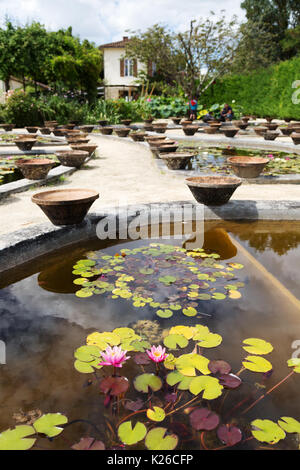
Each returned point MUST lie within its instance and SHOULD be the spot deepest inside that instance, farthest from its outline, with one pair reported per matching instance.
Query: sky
(104, 21)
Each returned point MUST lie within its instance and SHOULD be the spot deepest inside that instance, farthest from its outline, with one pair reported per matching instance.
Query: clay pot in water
(186, 122)
(123, 132)
(65, 206)
(271, 126)
(269, 119)
(159, 142)
(148, 120)
(159, 124)
(45, 130)
(106, 130)
(103, 122)
(126, 122)
(25, 144)
(286, 130)
(296, 138)
(89, 148)
(230, 131)
(176, 120)
(153, 138)
(245, 119)
(270, 135)
(211, 129)
(190, 130)
(32, 129)
(35, 168)
(159, 130)
(148, 127)
(241, 125)
(167, 148)
(72, 158)
(214, 124)
(69, 126)
(177, 161)
(138, 136)
(259, 130)
(213, 190)
(7, 127)
(60, 132)
(87, 128)
(77, 140)
(247, 167)
(50, 124)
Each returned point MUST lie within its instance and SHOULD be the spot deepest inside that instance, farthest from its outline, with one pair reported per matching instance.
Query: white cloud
(107, 20)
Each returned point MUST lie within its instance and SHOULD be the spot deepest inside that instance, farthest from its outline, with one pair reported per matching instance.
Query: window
(128, 68)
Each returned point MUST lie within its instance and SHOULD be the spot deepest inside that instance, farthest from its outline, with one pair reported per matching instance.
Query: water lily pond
(154, 345)
(213, 160)
(8, 170)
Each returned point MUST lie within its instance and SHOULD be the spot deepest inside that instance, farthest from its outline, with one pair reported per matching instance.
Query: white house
(120, 73)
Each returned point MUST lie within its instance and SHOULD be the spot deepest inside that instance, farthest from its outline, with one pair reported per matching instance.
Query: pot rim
(41, 198)
(227, 181)
(248, 161)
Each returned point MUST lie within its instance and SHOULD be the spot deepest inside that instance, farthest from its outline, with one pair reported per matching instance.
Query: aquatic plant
(186, 400)
(166, 278)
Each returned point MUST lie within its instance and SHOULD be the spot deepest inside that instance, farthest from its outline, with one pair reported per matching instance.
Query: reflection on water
(43, 322)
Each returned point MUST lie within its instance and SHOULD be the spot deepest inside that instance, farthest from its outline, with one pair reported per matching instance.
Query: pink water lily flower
(157, 354)
(113, 357)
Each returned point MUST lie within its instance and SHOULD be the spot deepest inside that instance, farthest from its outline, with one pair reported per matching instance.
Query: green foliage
(265, 92)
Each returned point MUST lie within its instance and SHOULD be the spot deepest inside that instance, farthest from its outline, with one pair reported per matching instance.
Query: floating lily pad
(176, 377)
(131, 435)
(158, 439)
(219, 367)
(145, 382)
(265, 430)
(204, 419)
(210, 386)
(289, 425)
(114, 385)
(295, 363)
(157, 414)
(17, 438)
(257, 364)
(257, 346)
(229, 435)
(174, 341)
(50, 423)
(230, 380)
(187, 364)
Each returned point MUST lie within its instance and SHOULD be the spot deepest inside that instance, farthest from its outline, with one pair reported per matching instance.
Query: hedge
(266, 92)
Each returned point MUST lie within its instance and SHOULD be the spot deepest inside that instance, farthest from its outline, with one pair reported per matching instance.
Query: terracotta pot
(177, 161)
(126, 122)
(159, 143)
(286, 130)
(269, 119)
(214, 124)
(122, 132)
(186, 122)
(65, 206)
(211, 129)
(7, 127)
(247, 167)
(241, 124)
(74, 158)
(87, 128)
(190, 130)
(77, 140)
(148, 121)
(45, 130)
(259, 130)
(230, 131)
(69, 126)
(159, 130)
(270, 135)
(296, 138)
(138, 136)
(167, 148)
(32, 129)
(159, 124)
(288, 119)
(271, 126)
(106, 130)
(89, 148)
(153, 138)
(60, 132)
(213, 190)
(245, 119)
(25, 144)
(103, 122)
(148, 127)
(35, 168)
(176, 120)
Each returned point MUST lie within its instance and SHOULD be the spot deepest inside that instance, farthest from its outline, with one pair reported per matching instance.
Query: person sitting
(193, 109)
(226, 113)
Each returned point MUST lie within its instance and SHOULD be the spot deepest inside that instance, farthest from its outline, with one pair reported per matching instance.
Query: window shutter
(122, 67)
(135, 70)
(150, 71)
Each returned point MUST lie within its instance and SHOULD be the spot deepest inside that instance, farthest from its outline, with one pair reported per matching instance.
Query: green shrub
(266, 92)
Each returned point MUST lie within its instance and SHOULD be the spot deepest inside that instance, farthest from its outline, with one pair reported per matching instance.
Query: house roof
(117, 44)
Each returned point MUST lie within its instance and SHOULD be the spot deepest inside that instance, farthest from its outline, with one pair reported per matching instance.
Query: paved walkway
(124, 173)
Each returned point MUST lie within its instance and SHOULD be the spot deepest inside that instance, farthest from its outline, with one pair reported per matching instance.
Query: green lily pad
(187, 364)
(265, 430)
(157, 439)
(49, 424)
(257, 346)
(176, 377)
(129, 435)
(174, 341)
(87, 353)
(257, 364)
(189, 312)
(16, 439)
(164, 313)
(289, 425)
(157, 414)
(294, 362)
(210, 386)
(146, 382)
